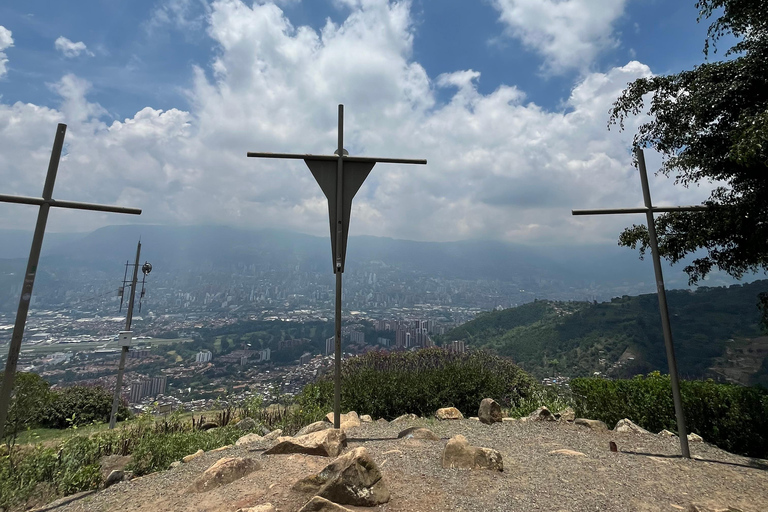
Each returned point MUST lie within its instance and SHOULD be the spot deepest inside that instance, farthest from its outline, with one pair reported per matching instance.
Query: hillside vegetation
(623, 337)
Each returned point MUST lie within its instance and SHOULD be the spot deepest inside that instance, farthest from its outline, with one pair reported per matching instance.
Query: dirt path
(645, 475)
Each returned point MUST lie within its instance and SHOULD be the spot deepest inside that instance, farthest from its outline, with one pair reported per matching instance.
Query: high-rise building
(147, 387)
(357, 337)
(203, 356)
(330, 346)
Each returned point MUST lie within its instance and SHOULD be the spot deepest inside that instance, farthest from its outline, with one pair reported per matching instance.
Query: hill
(716, 333)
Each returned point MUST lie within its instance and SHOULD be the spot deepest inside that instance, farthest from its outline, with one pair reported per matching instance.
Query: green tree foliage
(711, 123)
(80, 405)
(29, 397)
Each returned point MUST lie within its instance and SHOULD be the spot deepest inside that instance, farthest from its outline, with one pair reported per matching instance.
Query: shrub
(735, 418)
(387, 385)
(29, 397)
(80, 405)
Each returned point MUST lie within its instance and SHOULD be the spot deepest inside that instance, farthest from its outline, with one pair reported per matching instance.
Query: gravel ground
(645, 475)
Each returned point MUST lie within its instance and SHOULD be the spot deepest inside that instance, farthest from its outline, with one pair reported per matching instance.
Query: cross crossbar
(334, 158)
(655, 209)
(39, 201)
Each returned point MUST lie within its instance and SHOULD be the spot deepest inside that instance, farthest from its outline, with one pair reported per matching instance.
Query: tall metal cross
(649, 210)
(340, 176)
(45, 203)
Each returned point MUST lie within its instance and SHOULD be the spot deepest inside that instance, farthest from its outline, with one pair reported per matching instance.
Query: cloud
(500, 167)
(70, 49)
(567, 33)
(6, 41)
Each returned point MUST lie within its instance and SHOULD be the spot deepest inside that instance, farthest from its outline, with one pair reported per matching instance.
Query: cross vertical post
(45, 204)
(649, 210)
(340, 176)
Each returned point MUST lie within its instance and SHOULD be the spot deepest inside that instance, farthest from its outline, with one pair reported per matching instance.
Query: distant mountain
(623, 337)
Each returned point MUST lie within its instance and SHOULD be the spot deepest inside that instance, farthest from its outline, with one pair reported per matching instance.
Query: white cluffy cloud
(6, 41)
(499, 167)
(71, 49)
(568, 33)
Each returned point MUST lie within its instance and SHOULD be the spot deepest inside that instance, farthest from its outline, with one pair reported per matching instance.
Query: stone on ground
(695, 438)
(221, 448)
(223, 472)
(458, 453)
(248, 438)
(327, 443)
(542, 414)
(569, 453)
(405, 417)
(246, 424)
(349, 420)
(667, 433)
(382, 421)
(418, 433)
(265, 507)
(352, 479)
(320, 504)
(694, 507)
(273, 435)
(366, 418)
(489, 412)
(626, 425)
(566, 414)
(115, 476)
(314, 427)
(449, 413)
(192, 456)
(593, 424)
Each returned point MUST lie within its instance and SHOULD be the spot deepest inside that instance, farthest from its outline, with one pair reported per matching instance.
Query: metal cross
(649, 210)
(340, 176)
(45, 203)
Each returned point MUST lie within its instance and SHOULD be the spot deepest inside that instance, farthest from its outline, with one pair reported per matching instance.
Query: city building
(147, 387)
(330, 346)
(204, 356)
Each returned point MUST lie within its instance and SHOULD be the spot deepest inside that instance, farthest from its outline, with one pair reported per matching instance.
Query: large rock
(246, 424)
(489, 412)
(192, 456)
(115, 476)
(627, 426)
(320, 504)
(248, 438)
(314, 427)
(327, 443)
(418, 433)
(566, 414)
(346, 421)
(449, 413)
(223, 472)
(458, 453)
(273, 435)
(542, 414)
(695, 438)
(593, 424)
(352, 479)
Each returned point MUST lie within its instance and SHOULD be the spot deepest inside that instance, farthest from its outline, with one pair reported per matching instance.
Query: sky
(508, 100)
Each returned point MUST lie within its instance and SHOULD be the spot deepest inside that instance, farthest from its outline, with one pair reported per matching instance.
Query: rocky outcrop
(542, 414)
(192, 456)
(248, 438)
(593, 424)
(327, 443)
(320, 504)
(418, 433)
(458, 453)
(223, 472)
(627, 426)
(489, 412)
(449, 413)
(314, 427)
(352, 479)
(273, 435)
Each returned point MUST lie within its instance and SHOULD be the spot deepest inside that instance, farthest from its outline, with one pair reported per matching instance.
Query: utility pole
(45, 203)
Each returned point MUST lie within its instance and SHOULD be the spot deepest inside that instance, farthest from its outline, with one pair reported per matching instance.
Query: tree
(711, 124)
(30, 395)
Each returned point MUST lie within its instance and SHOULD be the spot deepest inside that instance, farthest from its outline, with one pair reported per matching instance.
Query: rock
(626, 425)
(405, 417)
(192, 456)
(116, 475)
(667, 433)
(327, 443)
(693, 507)
(266, 507)
(542, 414)
(208, 425)
(264, 430)
(593, 424)
(569, 453)
(489, 412)
(382, 421)
(319, 504)
(695, 438)
(418, 433)
(366, 418)
(509, 420)
(566, 414)
(352, 479)
(314, 427)
(175, 464)
(475, 418)
(449, 413)
(246, 424)
(458, 453)
(349, 420)
(221, 448)
(223, 472)
(248, 438)
(273, 435)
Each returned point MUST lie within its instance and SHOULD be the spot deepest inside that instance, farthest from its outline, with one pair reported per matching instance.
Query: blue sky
(508, 99)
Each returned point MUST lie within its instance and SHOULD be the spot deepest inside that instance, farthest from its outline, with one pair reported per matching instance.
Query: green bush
(29, 398)
(80, 405)
(735, 418)
(387, 385)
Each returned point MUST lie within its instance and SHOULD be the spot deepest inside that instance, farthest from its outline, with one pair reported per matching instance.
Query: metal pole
(671, 361)
(339, 245)
(124, 351)
(29, 278)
